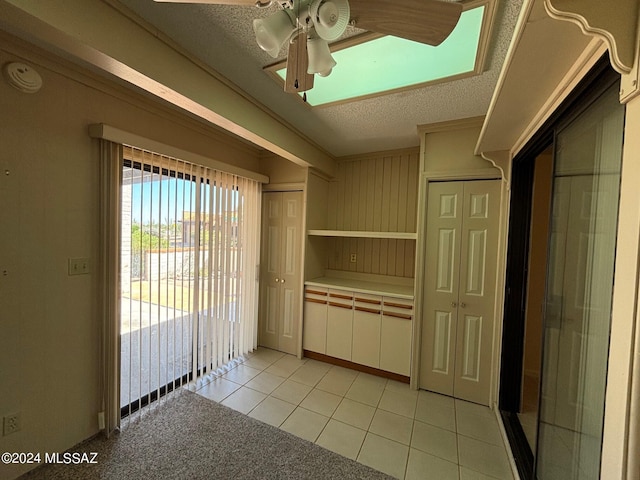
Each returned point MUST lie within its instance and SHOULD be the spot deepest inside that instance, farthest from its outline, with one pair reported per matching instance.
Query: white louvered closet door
(459, 296)
(281, 271)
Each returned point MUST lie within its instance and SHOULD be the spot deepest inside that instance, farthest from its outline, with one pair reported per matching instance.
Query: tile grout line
(302, 400)
(413, 424)
(367, 431)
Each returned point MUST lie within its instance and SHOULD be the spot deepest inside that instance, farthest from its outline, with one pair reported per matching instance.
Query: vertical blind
(188, 274)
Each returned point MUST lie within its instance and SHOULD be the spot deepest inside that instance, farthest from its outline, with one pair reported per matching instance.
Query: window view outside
(181, 274)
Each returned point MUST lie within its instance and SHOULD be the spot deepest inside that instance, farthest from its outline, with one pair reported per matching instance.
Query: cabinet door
(290, 278)
(314, 336)
(270, 261)
(366, 329)
(395, 342)
(477, 290)
(459, 295)
(444, 223)
(281, 279)
(339, 325)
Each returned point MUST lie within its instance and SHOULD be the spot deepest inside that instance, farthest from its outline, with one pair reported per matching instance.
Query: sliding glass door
(582, 239)
(559, 283)
(189, 256)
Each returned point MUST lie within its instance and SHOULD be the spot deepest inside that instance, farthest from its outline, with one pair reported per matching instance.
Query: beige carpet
(190, 437)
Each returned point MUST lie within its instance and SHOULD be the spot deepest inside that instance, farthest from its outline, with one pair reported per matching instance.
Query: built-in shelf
(362, 234)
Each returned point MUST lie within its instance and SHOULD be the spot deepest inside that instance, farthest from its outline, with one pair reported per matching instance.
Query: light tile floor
(381, 423)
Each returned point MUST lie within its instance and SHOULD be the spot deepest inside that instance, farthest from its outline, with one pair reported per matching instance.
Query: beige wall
(49, 326)
(281, 170)
(448, 151)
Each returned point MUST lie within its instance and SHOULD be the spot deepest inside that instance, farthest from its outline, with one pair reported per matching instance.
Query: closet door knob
(462, 305)
(282, 280)
(454, 304)
(277, 280)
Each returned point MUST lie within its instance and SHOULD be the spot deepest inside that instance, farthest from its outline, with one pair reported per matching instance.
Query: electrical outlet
(353, 258)
(79, 266)
(11, 424)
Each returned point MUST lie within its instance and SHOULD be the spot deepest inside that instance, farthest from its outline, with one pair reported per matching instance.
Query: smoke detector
(22, 77)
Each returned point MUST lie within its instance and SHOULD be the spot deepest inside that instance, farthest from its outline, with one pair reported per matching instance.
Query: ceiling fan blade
(298, 80)
(424, 21)
(212, 2)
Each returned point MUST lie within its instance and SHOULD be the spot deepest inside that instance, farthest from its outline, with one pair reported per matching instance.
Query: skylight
(390, 63)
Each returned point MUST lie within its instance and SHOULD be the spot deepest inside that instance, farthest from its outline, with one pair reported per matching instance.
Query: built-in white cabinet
(361, 249)
(359, 327)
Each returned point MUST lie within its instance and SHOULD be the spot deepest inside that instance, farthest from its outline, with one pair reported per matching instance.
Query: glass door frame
(595, 83)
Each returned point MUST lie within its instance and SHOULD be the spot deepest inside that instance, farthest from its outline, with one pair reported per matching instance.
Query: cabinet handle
(321, 302)
(397, 315)
(282, 280)
(463, 305)
(340, 305)
(368, 310)
(367, 300)
(317, 292)
(454, 304)
(337, 295)
(399, 305)
(277, 280)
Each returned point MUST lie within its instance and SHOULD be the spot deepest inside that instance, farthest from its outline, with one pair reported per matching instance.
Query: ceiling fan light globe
(330, 17)
(320, 59)
(271, 32)
(326, 73)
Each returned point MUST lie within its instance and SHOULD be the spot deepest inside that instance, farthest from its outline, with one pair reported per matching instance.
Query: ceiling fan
(308, 26)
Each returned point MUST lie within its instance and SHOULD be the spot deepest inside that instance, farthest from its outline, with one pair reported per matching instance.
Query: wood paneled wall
(378, 193)
(380, 256)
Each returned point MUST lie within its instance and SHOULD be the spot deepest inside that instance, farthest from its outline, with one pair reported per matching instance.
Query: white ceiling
(222, 37)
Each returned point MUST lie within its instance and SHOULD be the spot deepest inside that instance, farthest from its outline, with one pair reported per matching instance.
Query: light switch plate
(79, 266)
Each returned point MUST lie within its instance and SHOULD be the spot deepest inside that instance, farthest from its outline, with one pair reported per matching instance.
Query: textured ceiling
(222, 37)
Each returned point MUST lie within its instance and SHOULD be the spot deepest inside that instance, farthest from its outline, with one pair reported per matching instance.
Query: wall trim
(284, 187)
(355, 366)
(596, 18)
(490, 173)
(34, 55)
(502, 161)
(383, 153)
(107, 132)
(449, 125)
(594, 51)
